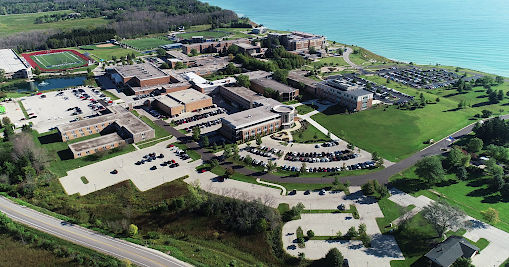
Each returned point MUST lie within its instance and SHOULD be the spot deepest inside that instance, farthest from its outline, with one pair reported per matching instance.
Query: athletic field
(54, 60)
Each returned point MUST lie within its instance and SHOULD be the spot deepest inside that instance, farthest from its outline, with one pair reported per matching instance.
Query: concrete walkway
(283, 189)
(318, 126)
(493, 255)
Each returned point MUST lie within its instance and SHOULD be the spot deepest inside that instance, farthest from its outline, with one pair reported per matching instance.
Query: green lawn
(308, 136)
(505, 264)
(330, 61)
(147, 43)
(304, 109)
(394, 133)
(391, 212)
(11, 24)
(58, 153)
(160, 132)
(205, 34)
(472, 196)
(414, 240)
(105, 53)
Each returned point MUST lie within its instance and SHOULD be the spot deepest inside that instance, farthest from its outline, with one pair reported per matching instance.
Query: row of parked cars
(321, 156)
(263, 151)
(357, 166)
(203, 125)
(198, 117)
(180, 153)
(256, 162)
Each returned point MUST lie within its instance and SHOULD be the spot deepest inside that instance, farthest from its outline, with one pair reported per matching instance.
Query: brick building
(182, 101)
(284, 92)
(212, 47)
(353, 96)
(299, 40)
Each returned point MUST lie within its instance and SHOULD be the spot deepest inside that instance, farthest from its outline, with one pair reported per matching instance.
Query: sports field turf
(147, 43)
(59, 60)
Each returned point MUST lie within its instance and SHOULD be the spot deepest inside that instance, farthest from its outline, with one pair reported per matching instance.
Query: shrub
(310, 233)
(132, 230)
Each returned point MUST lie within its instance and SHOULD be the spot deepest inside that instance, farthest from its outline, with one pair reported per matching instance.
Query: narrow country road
(118, 248)
(346, 57)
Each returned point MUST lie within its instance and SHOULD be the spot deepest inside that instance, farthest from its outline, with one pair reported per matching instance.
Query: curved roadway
(138, 255)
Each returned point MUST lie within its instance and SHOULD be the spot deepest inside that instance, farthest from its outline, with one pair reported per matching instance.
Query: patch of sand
(105, 45)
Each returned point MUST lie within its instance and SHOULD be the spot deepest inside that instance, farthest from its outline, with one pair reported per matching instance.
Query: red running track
(28, 57)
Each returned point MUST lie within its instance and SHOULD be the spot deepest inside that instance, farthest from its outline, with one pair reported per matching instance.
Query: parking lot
(154, 171)
(14, 113)
(328, 157)
(48, 110)
(420, 78)
(208, 120)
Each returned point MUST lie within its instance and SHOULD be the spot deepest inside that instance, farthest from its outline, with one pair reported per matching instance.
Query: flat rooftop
(144, 71)
(359, 92)
(179, 55)
(299, 77)
(257, 74)
(188, 96)
(250, 117)
(169, 102)
(125, 119)
(10, 62)
(247, 46)
(95, 142)
(86, 122)
(132, 123)
(243, 92)
(269, 83)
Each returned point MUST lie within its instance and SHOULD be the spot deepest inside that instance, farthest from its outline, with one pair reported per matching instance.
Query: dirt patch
(105, 45)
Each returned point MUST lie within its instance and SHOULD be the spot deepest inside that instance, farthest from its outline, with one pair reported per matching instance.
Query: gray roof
(274, 85)
(447, 252)
(188, 96)
(250, 117)
(100, 141)
(359, 92)
(10, 62)
(144, 71)
(243, 93)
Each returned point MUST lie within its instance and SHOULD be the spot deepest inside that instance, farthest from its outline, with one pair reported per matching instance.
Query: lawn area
(105, 53)
(308, 135)
(151, 142)
(206, 34)
(160, 132)
(11, 24)
(110, 95)
(391, 212)
(394, 133)
(14, 253)
(61, 159)
(330, 61)
(304, 109)
(415, 239)
(143, 44)
(472, 196)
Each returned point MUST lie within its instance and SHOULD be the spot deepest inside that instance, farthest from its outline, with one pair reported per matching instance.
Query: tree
(243, 80)
(258, 139)
(37, 71)
(312, 50)
(161, 52)
(504, 192)
(164, 65)
(194, 52)
(205, 141)
(500, 95)
(493, 98)
(352, 232)
(463, 262)
(271, 166)
(490, 215)
(132, 230)
(227, 152)
(486, 113)
(302, 169)
(430, 168)
(214, 163)
(499, 79)
(475, 145)
(179, 65)
(229, 172)
(456, 159)
(333, 258)
(6, 121)
(196, 133)
(497, 182)
(231, 69)
(310, 233)
(443, 216)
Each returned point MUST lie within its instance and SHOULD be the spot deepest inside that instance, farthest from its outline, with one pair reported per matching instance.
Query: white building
(13, 65)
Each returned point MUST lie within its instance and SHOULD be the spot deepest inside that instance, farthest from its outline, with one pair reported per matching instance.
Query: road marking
(95, 240)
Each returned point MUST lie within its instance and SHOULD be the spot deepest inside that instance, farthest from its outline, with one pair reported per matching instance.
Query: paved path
(283, 189)
(317, 125)
(493, 255)
(118, 248)
(346, 57)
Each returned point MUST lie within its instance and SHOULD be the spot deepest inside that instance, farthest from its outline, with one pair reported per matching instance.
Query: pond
(52, 84)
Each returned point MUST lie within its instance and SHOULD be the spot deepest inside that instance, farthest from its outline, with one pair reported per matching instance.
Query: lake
(467, 33)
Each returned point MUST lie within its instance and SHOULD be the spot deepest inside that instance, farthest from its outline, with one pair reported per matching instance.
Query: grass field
(308, 136)
(394, 133)
(58, 60)
(14, 253)
(304, 109)
(143, 44)
(205, 34)
(11, 24)
(391, 212)
(330, 61)
(105, 53)
(473, 196)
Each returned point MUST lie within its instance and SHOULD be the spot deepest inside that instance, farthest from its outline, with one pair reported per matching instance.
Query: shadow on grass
(49, 138)
(482, 104)
(409, 185)
(65, 154)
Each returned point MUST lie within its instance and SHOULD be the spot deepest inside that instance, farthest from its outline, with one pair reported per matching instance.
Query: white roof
(10, 62)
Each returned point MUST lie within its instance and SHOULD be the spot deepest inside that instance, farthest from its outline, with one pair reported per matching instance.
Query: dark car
(114, 171)
(153, 168)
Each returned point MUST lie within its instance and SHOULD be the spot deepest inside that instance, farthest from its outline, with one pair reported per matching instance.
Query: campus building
(240, 97)
(299, 40)
(212, 47)
(298, 79)
(116, 128)
(205, 86)
(13, 65)
(145, 78)
(182, 101)
(267, 117)
(247, 48)
(351, 95)
(284, 92)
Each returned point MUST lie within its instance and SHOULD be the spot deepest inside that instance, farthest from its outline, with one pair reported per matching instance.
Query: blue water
(54, 83)
(467, 33)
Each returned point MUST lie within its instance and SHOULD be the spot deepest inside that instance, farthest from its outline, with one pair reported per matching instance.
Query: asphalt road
(121, 249)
